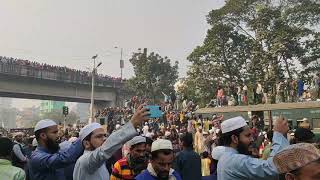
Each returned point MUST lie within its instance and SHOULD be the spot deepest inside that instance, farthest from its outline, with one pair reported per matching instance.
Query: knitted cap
(295, 156)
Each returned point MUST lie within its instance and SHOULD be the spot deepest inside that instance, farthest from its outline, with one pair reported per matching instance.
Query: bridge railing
(79, 77)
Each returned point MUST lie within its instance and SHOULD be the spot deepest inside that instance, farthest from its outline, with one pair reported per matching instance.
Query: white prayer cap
(217, 152)
(44, 124)
(118, 126)
(136, 140)
(160, 144)
(86, 130)
(233, 124)
(34, 142)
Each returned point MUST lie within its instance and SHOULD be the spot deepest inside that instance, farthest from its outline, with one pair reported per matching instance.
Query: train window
(290, 123)
(316, 123)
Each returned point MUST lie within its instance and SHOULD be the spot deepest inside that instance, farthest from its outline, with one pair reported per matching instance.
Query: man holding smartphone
(98, 149)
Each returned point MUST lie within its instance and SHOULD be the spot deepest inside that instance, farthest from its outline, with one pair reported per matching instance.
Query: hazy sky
(70, 32)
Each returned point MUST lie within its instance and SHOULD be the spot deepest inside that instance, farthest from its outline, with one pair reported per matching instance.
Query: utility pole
(91, 119)
(121, 61)
(121, 64)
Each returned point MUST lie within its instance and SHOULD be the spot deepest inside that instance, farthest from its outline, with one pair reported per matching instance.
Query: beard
(91, 148)
(139, 163)
(243, 148)
(139, 160)
(163, 175)
(52, 145)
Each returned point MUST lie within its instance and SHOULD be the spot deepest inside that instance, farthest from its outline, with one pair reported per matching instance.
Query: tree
(222, 58)
(257, 40)
(153, 75)
(311, 60)
(8, 117)
(57, 115)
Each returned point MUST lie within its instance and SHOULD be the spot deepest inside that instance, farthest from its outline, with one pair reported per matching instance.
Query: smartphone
(155, 111)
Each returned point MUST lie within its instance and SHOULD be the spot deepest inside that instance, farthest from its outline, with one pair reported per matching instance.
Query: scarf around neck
(153, 172)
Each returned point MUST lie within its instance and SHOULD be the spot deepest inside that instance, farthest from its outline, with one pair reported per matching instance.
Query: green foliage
(153, 74)
(311, 59)
(58, 116)
(256, 40)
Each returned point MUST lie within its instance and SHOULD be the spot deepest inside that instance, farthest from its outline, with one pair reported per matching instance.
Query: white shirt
(259, 89)
(145, 129)
(149, 134)
(245, 88)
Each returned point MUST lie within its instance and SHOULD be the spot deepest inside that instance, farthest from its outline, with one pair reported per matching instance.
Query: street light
(94, 70)
(121, 61)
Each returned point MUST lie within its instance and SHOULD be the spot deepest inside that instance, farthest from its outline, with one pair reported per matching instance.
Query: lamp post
(121, 61)
(94, 70)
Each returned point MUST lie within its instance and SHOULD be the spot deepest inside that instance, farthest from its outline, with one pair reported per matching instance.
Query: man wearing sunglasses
(98, 148)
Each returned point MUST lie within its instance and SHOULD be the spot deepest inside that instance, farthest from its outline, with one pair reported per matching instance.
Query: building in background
(50, 106)
(28, 117)
(5, 102)
(8, 114)
(82, 109)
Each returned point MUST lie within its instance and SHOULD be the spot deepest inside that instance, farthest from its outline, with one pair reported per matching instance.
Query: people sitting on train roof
(305, 124)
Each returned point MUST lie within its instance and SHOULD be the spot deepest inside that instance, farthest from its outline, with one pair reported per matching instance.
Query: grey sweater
(91, 165)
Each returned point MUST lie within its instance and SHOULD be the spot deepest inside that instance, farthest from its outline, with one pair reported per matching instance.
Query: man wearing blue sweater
(161, 161)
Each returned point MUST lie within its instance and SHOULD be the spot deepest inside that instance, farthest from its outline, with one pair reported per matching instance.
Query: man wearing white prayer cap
(135, 162)
(19, 158)
(98, 149)
(235, 162)
(162, 157)
(118, 126)
(47, 161)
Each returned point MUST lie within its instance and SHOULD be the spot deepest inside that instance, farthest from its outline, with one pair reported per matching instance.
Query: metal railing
(63, 75)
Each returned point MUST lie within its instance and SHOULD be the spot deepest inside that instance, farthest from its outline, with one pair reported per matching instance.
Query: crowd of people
(28, 68)
(179, 146)
(286, 91)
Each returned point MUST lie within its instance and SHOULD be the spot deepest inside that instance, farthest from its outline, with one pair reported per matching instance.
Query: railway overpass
(20, 81)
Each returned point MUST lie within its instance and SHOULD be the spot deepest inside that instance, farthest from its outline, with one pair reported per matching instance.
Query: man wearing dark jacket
(19, 158)
(188, 163)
